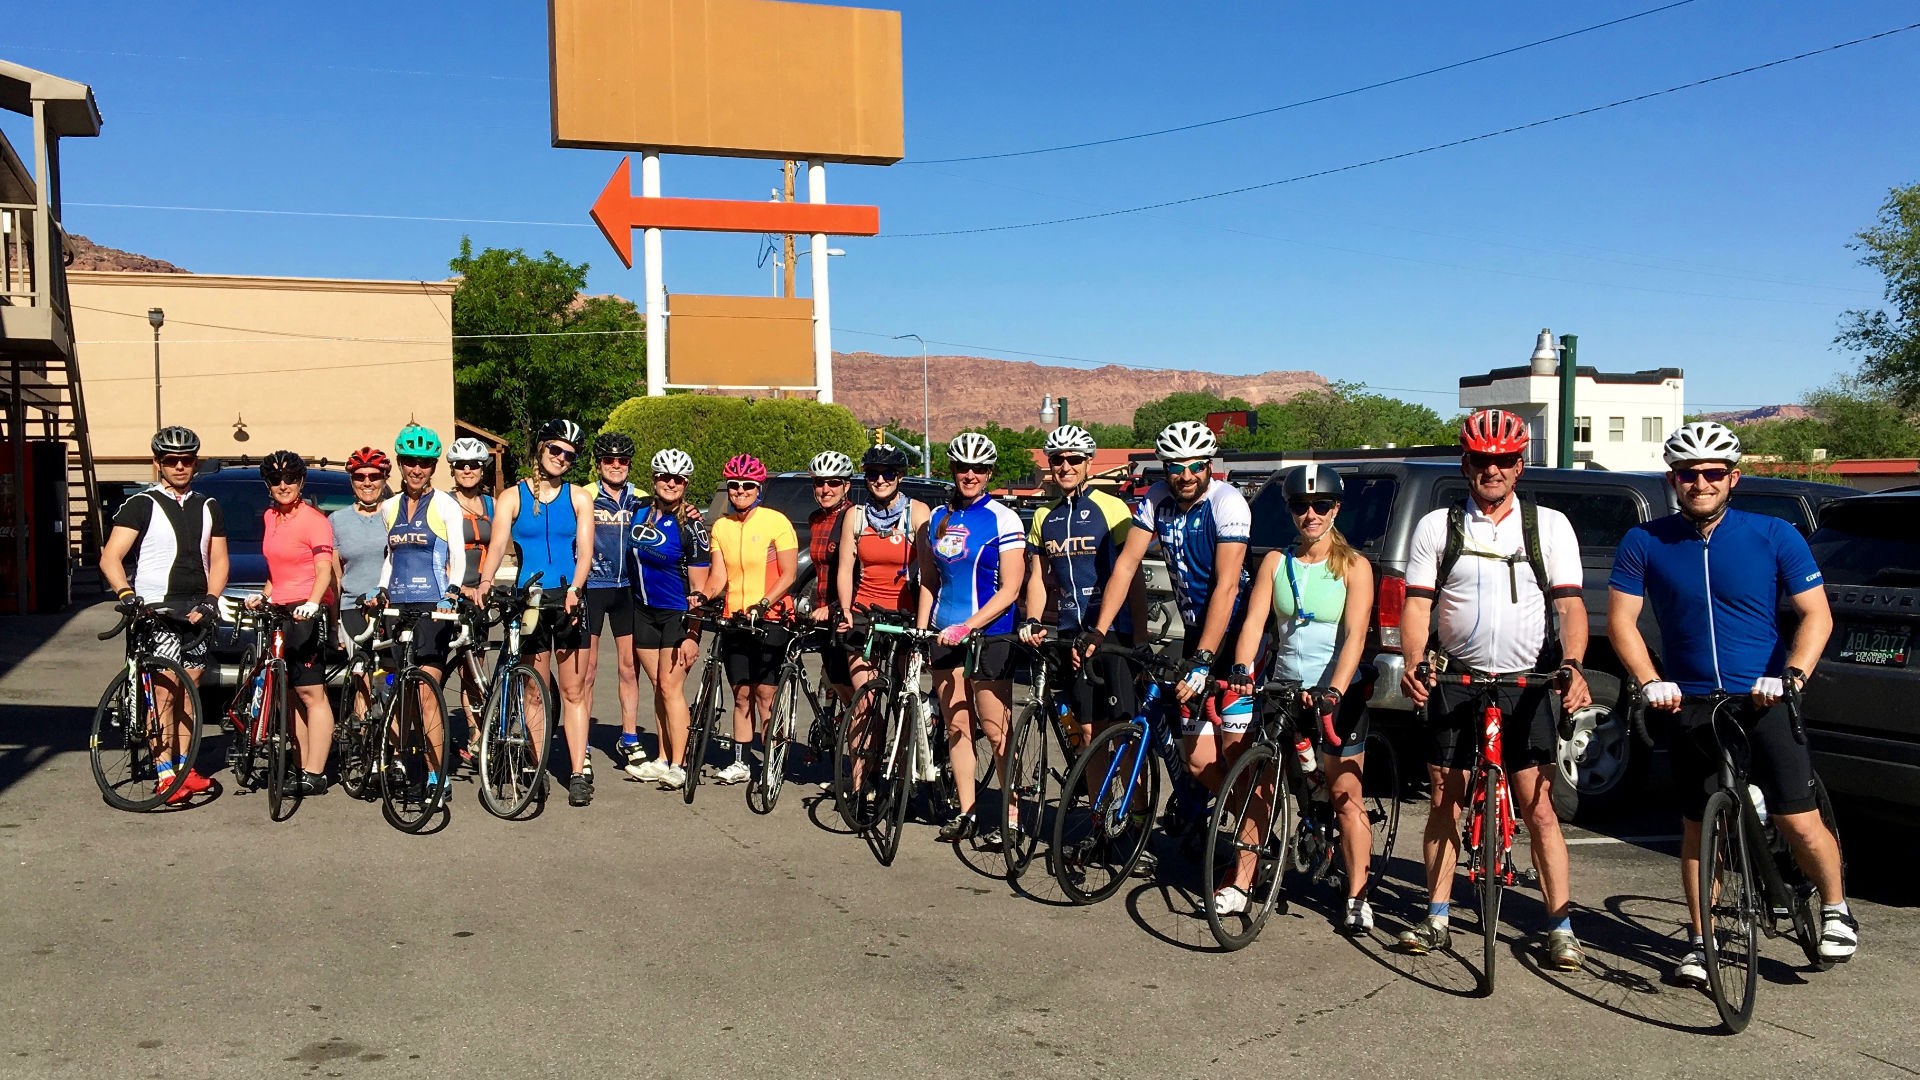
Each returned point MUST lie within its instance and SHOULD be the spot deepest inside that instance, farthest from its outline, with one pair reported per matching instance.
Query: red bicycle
(261, 711)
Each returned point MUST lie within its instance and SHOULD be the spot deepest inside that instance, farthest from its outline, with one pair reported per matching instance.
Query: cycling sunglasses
(1478, 460)
(1322, 507)
(1066, 459)
(176, 461)
(743, 485)
(371, 477)
(829, 481)
(669, 478)
(276, 478)
(468, 464)
(1197, 468)
(968, 467)
(615, 460)
(560, 451)
(1711, 476)
(878, 476)
(417, 462)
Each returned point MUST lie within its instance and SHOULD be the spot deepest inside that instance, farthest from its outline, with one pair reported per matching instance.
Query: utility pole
(786, 169)
(1569, 371)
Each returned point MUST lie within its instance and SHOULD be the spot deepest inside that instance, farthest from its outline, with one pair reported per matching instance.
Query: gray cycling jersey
(361, 540)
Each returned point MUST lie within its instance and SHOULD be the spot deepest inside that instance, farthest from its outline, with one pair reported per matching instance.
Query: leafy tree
(785, 433)
(1850, 421)
(1113, 436)
(1150, 418)
(588, 357)
(1890, 342)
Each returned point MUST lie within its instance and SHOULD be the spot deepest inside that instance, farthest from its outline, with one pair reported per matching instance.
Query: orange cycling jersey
(750, 549)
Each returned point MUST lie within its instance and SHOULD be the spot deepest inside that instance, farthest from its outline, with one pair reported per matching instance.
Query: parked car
(791, 493)
(1861, 721)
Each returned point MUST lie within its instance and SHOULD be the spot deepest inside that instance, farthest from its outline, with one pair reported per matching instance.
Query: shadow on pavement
(30, 734)
(24, 635)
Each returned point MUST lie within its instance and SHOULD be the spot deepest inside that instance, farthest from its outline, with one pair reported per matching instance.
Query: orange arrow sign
(618, 211)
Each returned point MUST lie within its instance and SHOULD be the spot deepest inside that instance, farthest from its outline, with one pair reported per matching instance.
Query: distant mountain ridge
(88, 255)
(1765, 412)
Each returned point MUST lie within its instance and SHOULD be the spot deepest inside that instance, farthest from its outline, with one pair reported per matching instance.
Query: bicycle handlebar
(192, 633)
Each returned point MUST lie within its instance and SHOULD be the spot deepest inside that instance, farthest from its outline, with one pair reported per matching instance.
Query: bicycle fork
(1495, 774)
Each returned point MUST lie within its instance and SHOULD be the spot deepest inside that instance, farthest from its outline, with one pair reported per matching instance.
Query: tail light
(1390, 601)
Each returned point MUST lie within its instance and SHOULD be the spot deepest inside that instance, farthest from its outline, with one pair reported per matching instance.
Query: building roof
(1104, 461)
(1650, 377)
(71, 109)
(244, 281)
(1874, 466)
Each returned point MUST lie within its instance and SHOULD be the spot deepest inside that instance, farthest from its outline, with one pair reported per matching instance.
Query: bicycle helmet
(972, 448)
(1702, 440)
(1068, 439)
(1312, 480)
(280, 464)
(416, 441)
(744, 467)
(1184, 440)
(884, 459)
(1493, 431)
(671, 462)
(830, 465)
(565, 431)
(613, 444)
(175, 440)
(368, 457)
(468, 450)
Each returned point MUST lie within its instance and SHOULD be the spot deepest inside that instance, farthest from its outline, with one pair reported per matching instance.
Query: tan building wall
(314, 365)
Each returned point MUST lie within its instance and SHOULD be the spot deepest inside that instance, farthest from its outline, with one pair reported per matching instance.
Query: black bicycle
(416, 758)
(712, 703)
(516, 719)
(364, 696)
(129, 733)
(1041, 744)
(794, 690)
(261, 714)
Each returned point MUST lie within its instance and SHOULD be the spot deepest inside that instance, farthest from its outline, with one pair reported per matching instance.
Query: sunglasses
(558, 451)
(176, 461)
(972, 470)
(277, 479)
(882, 477)
(743, 485)
(1711, 476)
(1067, 459)
(829, 482)
(1196, 468)
(1479, 461)
(669, 478)
(1322, 507)
(372, 477)
(469, 464)
(622, 462)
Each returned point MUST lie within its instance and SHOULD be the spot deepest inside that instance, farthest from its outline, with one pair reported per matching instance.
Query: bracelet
(1571, 663)
(1202, 658)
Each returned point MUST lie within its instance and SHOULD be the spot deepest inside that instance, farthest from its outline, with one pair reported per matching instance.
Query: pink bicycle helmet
(744, 467)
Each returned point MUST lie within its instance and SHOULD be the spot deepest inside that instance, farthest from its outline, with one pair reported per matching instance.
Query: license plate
(1885, 646)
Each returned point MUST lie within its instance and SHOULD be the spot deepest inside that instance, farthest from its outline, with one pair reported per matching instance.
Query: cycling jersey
(1079, 538)
(476, 532)
(612, 517)
(883, 556)
(544, 533)
(751, 546)
(823, 547)
(1189, 537)
(290, 543)
(967, 544)
(1309, 606)
(1490, 613)
(1716, 600)
(423, 555)
(664, 548)
(360, 542)
(173, 533)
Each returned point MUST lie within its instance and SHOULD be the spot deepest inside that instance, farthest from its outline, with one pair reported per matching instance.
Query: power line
(1305, 101)
(1408, 153)
(333, 214)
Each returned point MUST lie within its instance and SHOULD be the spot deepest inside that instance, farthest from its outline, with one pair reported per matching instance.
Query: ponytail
(1340, 555)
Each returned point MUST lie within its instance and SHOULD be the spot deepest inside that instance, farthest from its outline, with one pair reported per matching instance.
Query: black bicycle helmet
(564, 430)
(884, 458)
(613, 444)
(175, 440)
(1308, 480)
(281, 464)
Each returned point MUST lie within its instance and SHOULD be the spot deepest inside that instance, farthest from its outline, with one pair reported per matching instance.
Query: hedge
(783, 432)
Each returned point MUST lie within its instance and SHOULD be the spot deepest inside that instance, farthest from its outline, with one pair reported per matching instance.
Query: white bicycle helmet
(1068, 439)
(831, 465)
(468, 449)
(1702, 440)
(1184, 440)
(972, 448)
(671, 462)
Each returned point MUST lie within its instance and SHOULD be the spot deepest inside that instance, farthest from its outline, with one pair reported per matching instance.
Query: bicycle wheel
(1491, 883)
(352, 745)
(856, 758)
(1380, 799)
(279, 740)
(1806, 899)
(516, 725)
(763, 790)
(708, 710)
(413, 775)
(1252, 817)
(1728, 907)
(899, 792)
(1024, 790)
(128, 735)
(1098, 838)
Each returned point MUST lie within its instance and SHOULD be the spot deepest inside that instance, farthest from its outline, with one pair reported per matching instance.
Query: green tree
(1113, 436)
(1851, 420)
(785, 433)
(1148, 419)
(528, 348)
(1889, 343)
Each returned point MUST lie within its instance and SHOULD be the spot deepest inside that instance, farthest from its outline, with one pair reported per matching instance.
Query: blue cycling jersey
(966, 550)
(1189, 537)
(1716, 600)
(613, 514)
(424, 552)
(1078, 539)
(664, 550)
(544, 533)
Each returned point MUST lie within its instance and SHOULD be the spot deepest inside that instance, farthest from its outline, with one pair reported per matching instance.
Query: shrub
(783, 432)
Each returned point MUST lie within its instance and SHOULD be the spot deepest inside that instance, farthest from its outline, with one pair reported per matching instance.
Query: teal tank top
(544, 533)
(1308, 605)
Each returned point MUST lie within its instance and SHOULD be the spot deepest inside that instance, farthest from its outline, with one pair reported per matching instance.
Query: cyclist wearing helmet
(832, 473)
(360, 546)
(1494, 613)
(758, 560)
(1202, 526)
(972, 555)
(469, 460)
(670, 564)
(168, 549)
(609, 583)
(1714, 576)
(297, 542)
(1321, 596)
(550, 523)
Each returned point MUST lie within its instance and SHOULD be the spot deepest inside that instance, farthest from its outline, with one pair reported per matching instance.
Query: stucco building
(1620, 419)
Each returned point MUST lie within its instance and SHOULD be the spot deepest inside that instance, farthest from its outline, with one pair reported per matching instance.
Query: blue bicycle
(1109, 796)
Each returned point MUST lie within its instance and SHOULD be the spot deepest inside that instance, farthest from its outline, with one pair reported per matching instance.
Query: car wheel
(1600, 765)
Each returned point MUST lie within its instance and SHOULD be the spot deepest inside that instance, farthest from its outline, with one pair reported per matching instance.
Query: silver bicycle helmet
(831, 465)
(972, 448)
(1184, 440)
(468, 450)
(565, 431)
(175, 440)
(1068, 439)
(1702, 440)
(671, 462)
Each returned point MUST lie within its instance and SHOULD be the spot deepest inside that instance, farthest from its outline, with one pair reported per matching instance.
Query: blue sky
(1704, 229)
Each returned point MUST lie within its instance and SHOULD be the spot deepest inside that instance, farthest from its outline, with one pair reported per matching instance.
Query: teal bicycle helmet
(416, 441)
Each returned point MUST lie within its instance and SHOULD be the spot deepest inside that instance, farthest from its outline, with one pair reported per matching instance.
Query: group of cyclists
(1492, 586)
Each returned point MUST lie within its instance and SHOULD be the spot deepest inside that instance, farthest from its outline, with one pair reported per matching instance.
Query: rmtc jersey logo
(952, 545)
(398, 538)
(1071, 546)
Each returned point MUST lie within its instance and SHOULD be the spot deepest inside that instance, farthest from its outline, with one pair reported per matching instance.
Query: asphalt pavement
(642, 935)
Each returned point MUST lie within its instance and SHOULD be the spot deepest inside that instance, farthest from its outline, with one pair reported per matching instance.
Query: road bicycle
(1041, 744)
(261, 714)
(794, 689)
(413, 771)
(1299, 830)
(1749, 881)
(907, 754)
(129, 735)
(364, 695)
(713, 702)
(515, 723)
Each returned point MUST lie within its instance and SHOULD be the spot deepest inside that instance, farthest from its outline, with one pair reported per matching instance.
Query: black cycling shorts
(658, 627)
(430, 636)
(610, 604)
(1116, 698)
(1780, 766)
(557, 627)
(753, 659)
(1352, 721)
(1528, 720)
(835, 664)
(992, 662)
(306, 650)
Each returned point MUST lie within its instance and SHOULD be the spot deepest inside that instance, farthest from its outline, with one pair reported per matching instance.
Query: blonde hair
(1340, 555)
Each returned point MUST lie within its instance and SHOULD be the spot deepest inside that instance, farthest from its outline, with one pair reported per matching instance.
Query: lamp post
(926, 406)
(779, 266)
(1047, 412)
(1561, 359)
(158, 318)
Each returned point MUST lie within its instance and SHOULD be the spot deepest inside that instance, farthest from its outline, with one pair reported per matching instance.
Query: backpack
(1532, 552)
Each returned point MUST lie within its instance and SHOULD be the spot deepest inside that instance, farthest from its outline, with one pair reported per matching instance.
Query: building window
(1616, 429)
(1536, 443)
(1583, 429)
(1650, 429)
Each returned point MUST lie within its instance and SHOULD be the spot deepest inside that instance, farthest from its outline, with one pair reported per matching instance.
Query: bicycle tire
(1491, 884)
(850, 799)
(120, 747)
(279, 740)
(1023, 791)
(1727, 903)
(893, 820)
(1120, 811)
(763, 789)
(512, 766)
(1225, 841)
(407, 800)
(350, 741)
(1380, 800)
(705, 714)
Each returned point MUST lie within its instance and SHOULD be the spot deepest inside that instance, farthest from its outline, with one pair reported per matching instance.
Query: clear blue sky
(1704, 229)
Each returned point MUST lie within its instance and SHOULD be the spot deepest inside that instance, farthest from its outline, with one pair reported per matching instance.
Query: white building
(1620, 419)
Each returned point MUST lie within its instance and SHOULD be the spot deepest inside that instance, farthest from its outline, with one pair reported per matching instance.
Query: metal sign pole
(655, 282)
(822, 310)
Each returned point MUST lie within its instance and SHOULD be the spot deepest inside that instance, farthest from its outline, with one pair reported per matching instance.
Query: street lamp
(1550, 358)
(158, 318)
(778, 264)
(1046, 412)
(926, 404)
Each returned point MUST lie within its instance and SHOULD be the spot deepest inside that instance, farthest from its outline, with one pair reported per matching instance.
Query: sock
(1565, 922)
(433, 778)
(180, 763)
(1440, 910)
(164, 767)
(1834, 909)
(628, 738)
(739, 749)
(1697, 941)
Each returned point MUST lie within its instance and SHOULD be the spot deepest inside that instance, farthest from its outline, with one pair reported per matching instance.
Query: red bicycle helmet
(1493, 431)
(744, 467)
(368, 457)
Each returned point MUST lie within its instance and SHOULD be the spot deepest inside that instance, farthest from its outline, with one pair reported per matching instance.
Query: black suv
(791, 493)
(1385, 498)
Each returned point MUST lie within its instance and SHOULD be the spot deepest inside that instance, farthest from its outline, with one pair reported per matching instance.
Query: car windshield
(243, 502)
(1870, 542)
(1365, 511)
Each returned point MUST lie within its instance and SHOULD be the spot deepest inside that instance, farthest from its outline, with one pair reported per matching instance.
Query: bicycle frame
(1776, 895)
(1488, 773)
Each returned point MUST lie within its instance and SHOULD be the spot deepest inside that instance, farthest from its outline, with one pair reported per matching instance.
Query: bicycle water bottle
(1070, 726)
(1759, 802)
(1303, 748)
